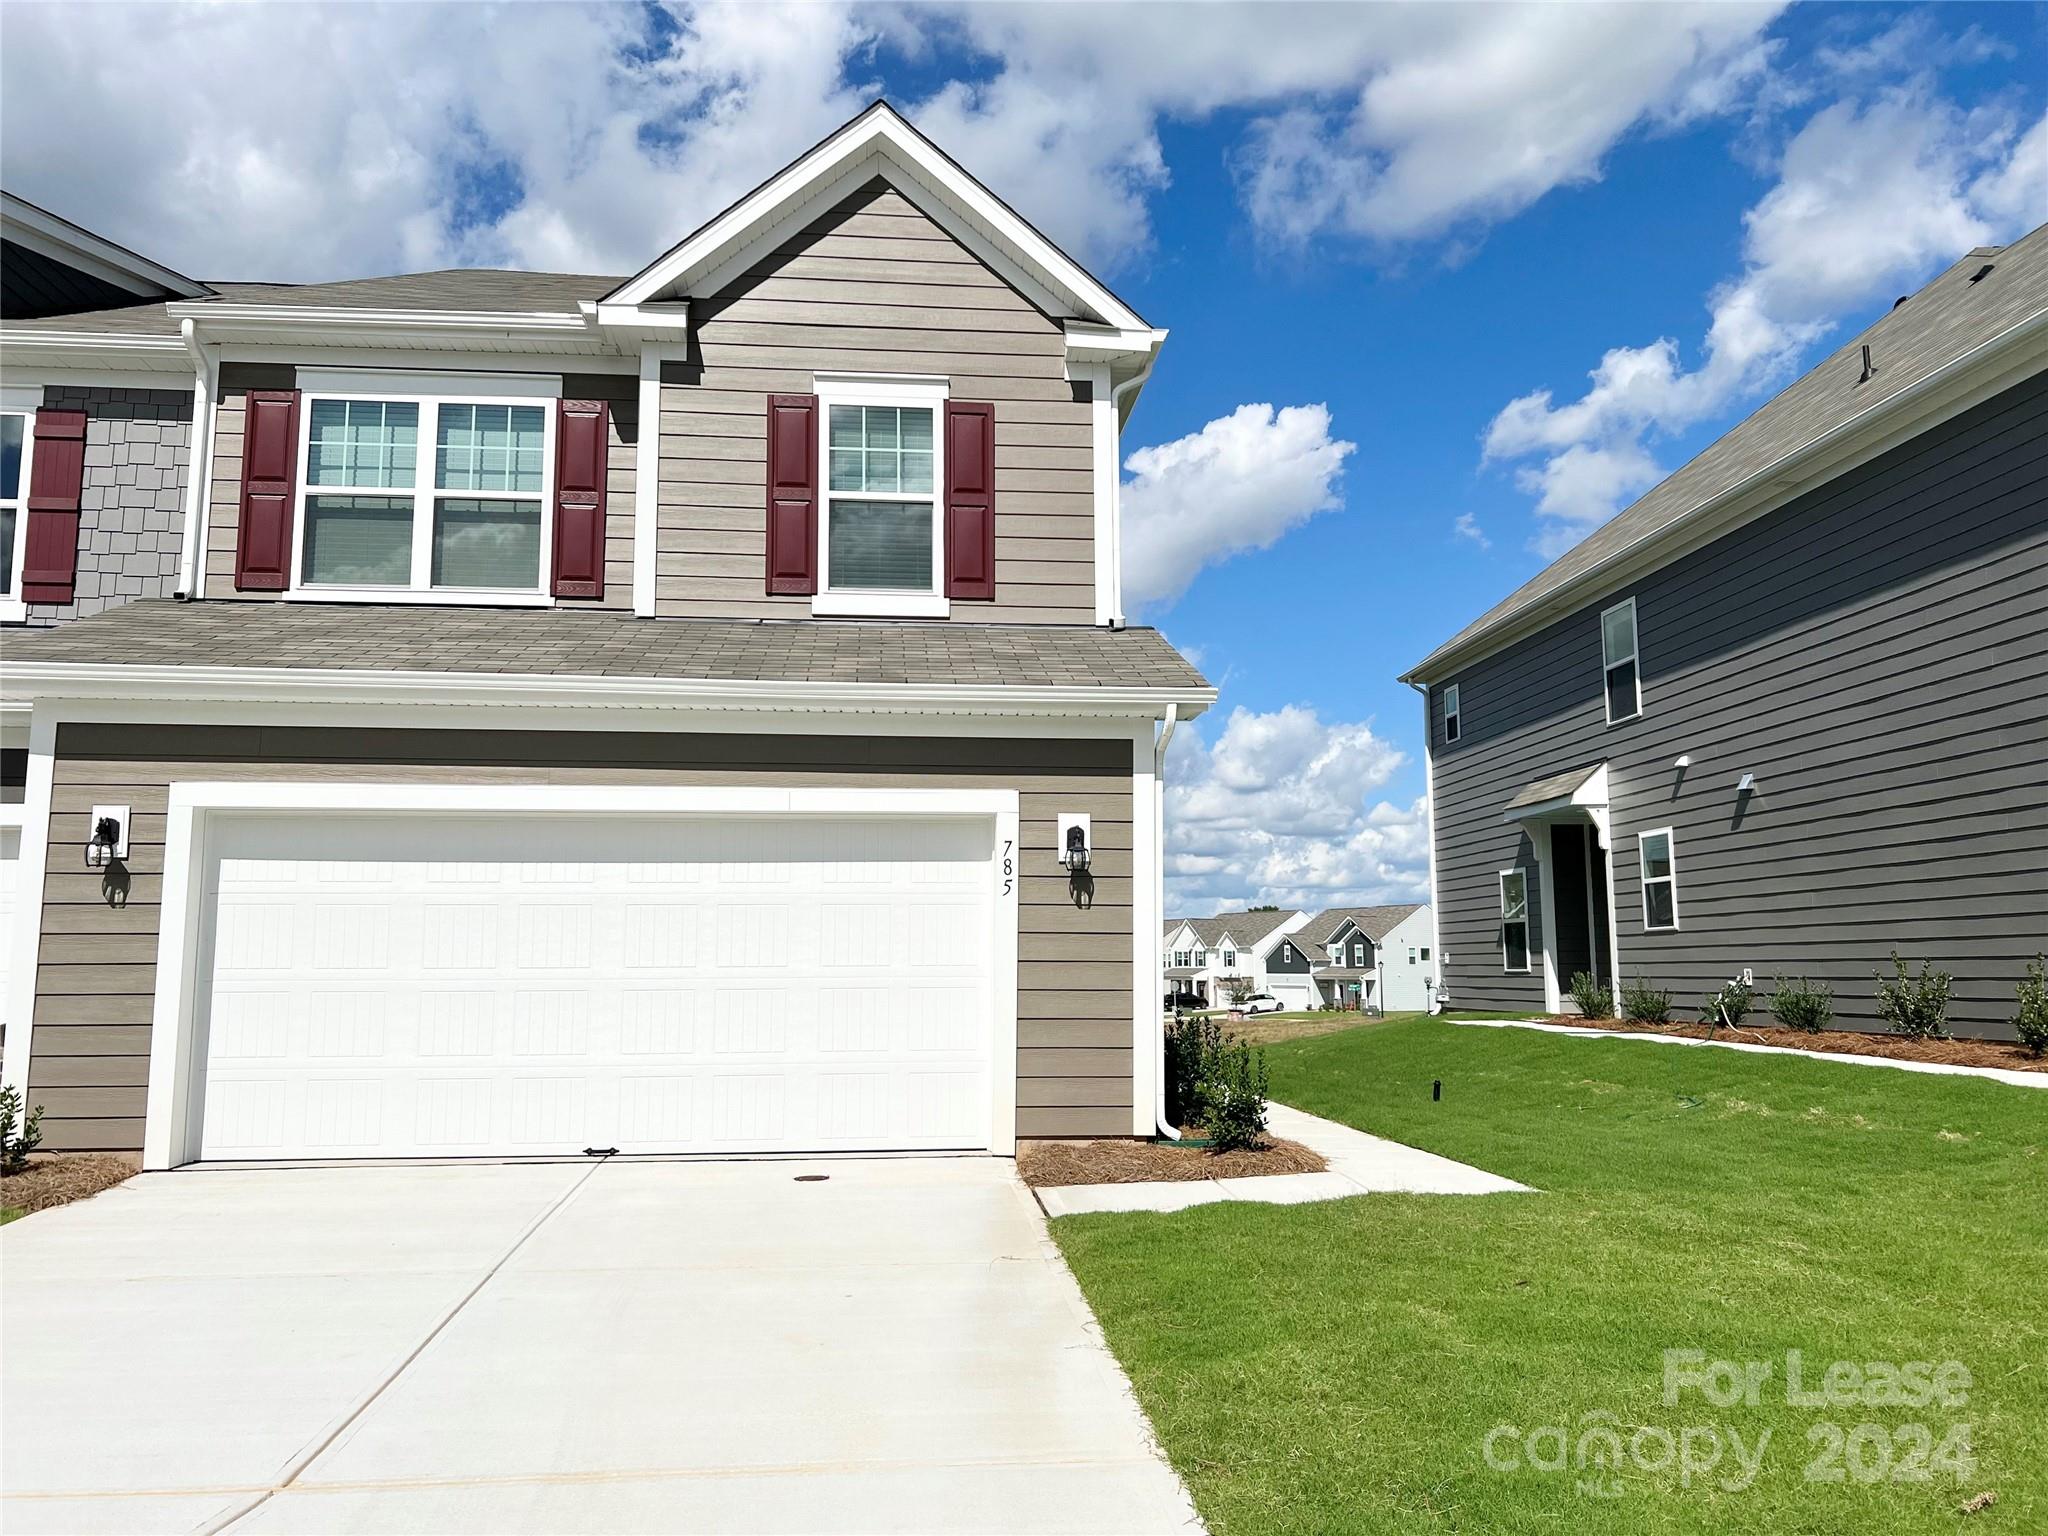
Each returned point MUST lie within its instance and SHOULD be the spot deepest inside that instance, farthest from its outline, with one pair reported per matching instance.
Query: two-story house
(1787, 713)
(1349, 957)
(1209, 955)
(690, 711)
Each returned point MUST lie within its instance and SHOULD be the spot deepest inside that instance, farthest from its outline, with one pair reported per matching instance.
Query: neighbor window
(17, 442)
(1180, 959)
(1514, 919)
(881, 541)
(425, 494)
(1229, 961)
(1451, 721)
(1201, 957)
(1425, 955)
(1411, 956)
(1358, 954)
(1660, 880)
(1618, 654)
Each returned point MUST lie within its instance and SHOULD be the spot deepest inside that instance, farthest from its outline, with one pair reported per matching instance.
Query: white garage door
(1297, 995)
(459, 986)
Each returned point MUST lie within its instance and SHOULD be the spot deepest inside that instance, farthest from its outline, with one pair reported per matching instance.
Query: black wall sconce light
(109, 840)
(1075, 857)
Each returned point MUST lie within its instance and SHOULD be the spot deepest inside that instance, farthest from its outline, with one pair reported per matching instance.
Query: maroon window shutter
(970, 500)
(792, 495)
(270, 471)
(56, 484)
(583, 434)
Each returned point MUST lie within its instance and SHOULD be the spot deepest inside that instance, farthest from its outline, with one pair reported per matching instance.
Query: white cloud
(1871, 197)
(1467, 527)
(310, 142)
(1238, 484)
(1280, 810)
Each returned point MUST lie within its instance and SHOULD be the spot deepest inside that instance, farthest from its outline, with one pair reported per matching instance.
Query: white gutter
(216, 684)
(1166, 728)
(290, 318)
(198, 459)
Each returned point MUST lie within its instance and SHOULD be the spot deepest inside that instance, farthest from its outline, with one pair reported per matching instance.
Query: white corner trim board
(200, 812)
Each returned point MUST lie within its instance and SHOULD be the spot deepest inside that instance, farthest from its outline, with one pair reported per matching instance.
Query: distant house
(1786, 713)
(1357, 957)
(1205, 955)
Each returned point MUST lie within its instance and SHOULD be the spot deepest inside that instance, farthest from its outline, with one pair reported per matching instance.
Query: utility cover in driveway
(465, 986)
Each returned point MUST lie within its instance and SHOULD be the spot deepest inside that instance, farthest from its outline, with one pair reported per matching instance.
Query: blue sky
(1447, 285)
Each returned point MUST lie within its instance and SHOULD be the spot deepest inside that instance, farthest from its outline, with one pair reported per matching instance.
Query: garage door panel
(760, 985)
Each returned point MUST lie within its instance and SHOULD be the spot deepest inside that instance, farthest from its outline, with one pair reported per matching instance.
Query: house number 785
(1009, 867)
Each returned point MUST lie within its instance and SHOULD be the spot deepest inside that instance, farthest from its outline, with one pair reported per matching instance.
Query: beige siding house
(491, 780)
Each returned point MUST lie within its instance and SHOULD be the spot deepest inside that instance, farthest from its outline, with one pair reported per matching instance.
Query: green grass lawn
(1338, 1367)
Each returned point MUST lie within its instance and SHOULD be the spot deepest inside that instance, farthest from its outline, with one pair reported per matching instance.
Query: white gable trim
(80, 249)
(879, 143)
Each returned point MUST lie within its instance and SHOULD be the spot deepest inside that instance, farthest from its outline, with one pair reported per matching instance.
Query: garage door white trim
(172, 1128)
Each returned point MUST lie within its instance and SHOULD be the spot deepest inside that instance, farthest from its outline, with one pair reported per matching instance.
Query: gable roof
(881, 142)
(1374, 922)
(46, 234)
(1244, 929)
(1965, 318)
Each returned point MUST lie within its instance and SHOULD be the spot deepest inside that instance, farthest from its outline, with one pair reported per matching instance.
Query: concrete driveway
(617, 1347)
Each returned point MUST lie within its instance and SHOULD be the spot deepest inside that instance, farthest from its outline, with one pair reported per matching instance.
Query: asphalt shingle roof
(1375, 922)
(1245, 928)
(1950, 317)
(581, 643)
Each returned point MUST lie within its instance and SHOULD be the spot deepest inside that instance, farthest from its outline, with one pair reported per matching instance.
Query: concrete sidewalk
(1359, 1164)
(626, 1346)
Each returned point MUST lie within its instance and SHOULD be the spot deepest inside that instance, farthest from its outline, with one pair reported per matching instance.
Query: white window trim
(917, 391)
(1454, 725)
(1643, 870)
(1633, 658)
(23, 402)
(444, 390)
(1528, 945)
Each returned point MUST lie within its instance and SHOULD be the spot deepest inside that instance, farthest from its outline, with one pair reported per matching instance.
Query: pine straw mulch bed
(54, 1181)
(1838, 1042)
(1046, 1164)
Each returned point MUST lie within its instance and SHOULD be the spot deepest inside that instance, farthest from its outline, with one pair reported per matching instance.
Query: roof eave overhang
(268, 324)
(879, 133)
(32, 680)
(61, 240)
(90, 349)
(1997, 364)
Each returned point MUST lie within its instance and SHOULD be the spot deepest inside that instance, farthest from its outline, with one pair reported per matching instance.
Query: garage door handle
(600, 1151)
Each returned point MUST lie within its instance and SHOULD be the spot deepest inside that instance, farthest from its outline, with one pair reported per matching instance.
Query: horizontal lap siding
(224, 500)
(1877, 655)
(873, 287)
(95, 979)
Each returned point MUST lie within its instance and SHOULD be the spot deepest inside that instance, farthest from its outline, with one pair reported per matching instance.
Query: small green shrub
(1644, 1004)
(1798, 1003)
(1191, 1046)
(1729, 1006)
(15, 1146)
(2031, 1022)
(1595, 1001)
(1235, 1091)
(1916, 1007)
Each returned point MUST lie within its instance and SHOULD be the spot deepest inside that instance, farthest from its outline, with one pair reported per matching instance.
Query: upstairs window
(1618, 656)
(881, 548)
(1201, 957)
(1425, 954)
(425, 494)
(1660, 880)
(1452, 724)
(1229, 961)
(1358, 954)
(1514, 919)
(17, 442)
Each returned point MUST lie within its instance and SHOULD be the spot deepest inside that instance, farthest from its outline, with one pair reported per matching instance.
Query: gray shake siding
(1876, 654)
(95, 978)
(132, 519)
(872, 287)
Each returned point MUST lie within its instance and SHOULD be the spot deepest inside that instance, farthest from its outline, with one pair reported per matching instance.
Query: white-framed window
(1180, 959)
(1229, 960)
(1201, 958)
(1514, 919)
(1659, 851)
(1453, 726)
(1358, 954)
(1411, 954)
(411, 492)
(1287, 953)
(17, 450)
(1425, 954)
(881, 528)
(1624, 684)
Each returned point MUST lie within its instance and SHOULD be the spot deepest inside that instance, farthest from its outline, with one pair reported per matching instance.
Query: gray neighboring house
(1339, 958)
(638, 712)
(1789, 711)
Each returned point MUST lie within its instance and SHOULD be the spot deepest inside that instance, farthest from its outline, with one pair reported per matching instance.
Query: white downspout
(198, 460)
(1165, 739)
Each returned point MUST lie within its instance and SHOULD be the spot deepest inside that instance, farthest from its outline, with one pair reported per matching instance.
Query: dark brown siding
(95, 979)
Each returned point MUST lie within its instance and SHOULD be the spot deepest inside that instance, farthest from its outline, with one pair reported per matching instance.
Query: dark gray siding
(33, 285)
(1277, 963)
(1876, 653)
